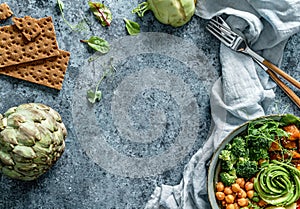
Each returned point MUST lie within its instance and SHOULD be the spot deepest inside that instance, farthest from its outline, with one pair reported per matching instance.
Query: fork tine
(224, 39)
(223, 29)
(221, 21)
(222, 33)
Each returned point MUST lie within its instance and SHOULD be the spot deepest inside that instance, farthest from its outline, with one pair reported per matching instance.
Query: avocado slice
(278, 185)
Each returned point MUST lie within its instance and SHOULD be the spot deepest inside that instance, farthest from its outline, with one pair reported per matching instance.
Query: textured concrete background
(154, 114)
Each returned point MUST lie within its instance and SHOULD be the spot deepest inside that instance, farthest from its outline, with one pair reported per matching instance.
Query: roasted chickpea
(249, 186)
(241, 182)
(220, 187)
(235, 187)
(250, 194)
(242, 194)
(242, 202)
(229, 199)
(227, 190)
(230, 206)
(236, 206)
(220, 195)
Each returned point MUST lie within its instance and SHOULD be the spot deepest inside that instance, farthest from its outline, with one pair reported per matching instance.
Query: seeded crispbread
(28, 26)
(5, 11)
(48, 72)
(15, 49)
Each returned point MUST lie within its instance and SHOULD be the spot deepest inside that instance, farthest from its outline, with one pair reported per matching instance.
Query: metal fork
(220, 29)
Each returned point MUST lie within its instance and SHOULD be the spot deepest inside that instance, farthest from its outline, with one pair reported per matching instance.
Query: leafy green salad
(266, 157)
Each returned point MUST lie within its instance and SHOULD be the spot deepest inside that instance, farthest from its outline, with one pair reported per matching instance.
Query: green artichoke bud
(32, 139)
(170, 12)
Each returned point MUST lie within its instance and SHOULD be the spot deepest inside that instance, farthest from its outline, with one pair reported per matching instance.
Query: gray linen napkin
(235, 97)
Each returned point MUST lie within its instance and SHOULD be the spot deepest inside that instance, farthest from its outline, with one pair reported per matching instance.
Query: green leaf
(142, 8)
(101, 12)
(82, 25)
(290, 119)
(133, 28)
(61, 5)
(98, 44)
(94, 96)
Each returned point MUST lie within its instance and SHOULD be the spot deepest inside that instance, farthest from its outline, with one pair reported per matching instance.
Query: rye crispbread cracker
(15, 49)
(5, 11)
(48, 72)
(28, 26)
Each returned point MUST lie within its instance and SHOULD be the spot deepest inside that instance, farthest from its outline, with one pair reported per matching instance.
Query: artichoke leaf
(50, 124)
(11, 172)
(27, 173)
(9, 135)
(21, 167)
(43, 160)
(43, 130)
(56, 116)
(6, 158)
(35, 115)
(10, 111)
(45, 141)
(43, 168)
(30, 112)
(57, 138)
(29, 133)
(41, 150)
(15, 120)
(23, 151)
(43, 107)
(20, 159)
(63, 129)
(3, 122)
(61, 148)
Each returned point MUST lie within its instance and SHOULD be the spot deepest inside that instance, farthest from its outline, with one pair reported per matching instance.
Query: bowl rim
(214, 159)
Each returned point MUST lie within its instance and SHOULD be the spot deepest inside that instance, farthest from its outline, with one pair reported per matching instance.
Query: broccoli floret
(227, 178)
(246, 168)
(227, 147)
(239, 147)
(225, 155)
(228, 160)
(258, 153)
(227, 165)
(232, 172)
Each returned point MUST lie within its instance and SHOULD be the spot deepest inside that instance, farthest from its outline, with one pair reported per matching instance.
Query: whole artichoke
(31, 140)
(170, 12)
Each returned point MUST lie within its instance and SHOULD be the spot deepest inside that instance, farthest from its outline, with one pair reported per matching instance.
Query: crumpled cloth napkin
(243, 92)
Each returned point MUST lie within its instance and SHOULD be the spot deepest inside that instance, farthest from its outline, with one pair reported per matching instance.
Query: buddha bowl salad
(260, 168)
